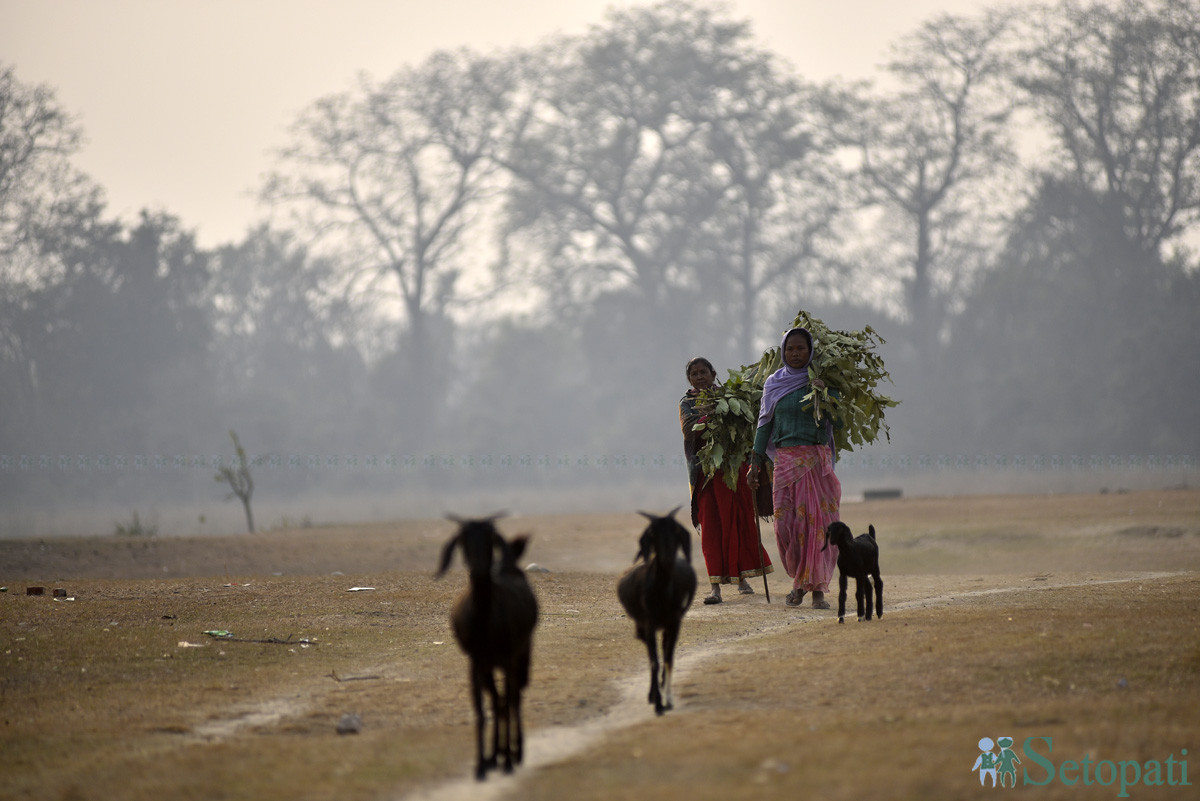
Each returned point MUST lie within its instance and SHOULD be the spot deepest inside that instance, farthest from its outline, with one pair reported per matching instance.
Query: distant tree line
(515, 253)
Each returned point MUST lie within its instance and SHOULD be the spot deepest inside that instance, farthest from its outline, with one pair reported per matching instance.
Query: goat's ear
(673, 512)
(646, 515)
(516, 548)
(644, 547)
(836, 532)
(447, 555)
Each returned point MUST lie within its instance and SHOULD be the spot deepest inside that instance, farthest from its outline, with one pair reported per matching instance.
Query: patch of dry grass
(893, 709)
(1029, 626)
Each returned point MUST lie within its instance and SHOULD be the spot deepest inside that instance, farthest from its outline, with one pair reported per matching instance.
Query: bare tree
(1120, 89)
(388, 176)
(776, 228)
(42, 196)
(240, 482)
(928, 151)
(37, 138)
(667, 160)
(612, 159)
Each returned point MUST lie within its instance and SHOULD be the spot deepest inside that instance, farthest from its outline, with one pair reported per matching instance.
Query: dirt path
(549, 747)
(97, 697)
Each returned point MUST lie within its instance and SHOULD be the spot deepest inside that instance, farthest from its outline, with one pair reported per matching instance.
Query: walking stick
(762, 562)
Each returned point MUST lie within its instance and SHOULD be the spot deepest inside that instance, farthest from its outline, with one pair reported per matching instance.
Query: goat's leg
(504, 723)
(865, 583)
(516, 738)
(878, 595)
(670, 638)
(477, 704)
(841, 596)
(489, 685)
(655, 693)
(520, 681)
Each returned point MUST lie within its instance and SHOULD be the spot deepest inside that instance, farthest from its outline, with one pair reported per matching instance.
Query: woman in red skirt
(728, 528)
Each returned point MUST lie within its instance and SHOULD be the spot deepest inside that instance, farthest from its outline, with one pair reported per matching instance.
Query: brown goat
(493, 621)
(656, 593)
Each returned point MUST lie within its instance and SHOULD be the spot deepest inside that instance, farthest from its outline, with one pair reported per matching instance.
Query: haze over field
(455, 258)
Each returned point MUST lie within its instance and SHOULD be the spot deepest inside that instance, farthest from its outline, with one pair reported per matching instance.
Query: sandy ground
(1043, 615)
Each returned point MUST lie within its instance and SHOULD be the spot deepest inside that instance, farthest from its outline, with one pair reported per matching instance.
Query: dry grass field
(1066, 622)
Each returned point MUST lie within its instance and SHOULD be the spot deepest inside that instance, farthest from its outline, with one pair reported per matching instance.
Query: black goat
(656, 593)
(493, 621)
(857, 557)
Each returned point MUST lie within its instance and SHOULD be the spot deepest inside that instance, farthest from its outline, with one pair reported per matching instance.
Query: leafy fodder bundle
(844, 377)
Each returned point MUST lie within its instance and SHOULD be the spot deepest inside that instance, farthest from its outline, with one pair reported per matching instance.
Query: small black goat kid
(493, 621)
(857, 557)
(656, 593)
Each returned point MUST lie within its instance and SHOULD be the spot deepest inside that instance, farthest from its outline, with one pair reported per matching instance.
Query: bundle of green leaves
(729, 416)
(844, 377)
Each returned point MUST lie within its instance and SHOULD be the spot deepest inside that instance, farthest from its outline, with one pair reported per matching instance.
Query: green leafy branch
(729, 417)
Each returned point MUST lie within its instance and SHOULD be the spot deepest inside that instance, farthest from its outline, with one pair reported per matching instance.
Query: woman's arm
(762, 436)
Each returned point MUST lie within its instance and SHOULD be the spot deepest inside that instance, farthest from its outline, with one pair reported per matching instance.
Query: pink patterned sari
(807, 497)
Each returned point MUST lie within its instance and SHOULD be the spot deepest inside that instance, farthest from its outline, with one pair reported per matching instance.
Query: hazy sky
(182, 102)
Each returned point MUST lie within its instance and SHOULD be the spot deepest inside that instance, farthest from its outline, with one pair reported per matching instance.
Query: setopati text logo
(997, 764)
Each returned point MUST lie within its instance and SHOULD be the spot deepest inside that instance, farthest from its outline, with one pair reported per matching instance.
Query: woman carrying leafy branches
(725, 516)
(806, 494)
(773, 409)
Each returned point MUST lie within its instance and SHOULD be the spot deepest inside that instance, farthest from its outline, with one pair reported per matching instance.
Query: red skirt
(729, 535)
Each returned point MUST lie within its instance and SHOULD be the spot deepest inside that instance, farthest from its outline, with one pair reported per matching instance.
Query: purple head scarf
(785, 380)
